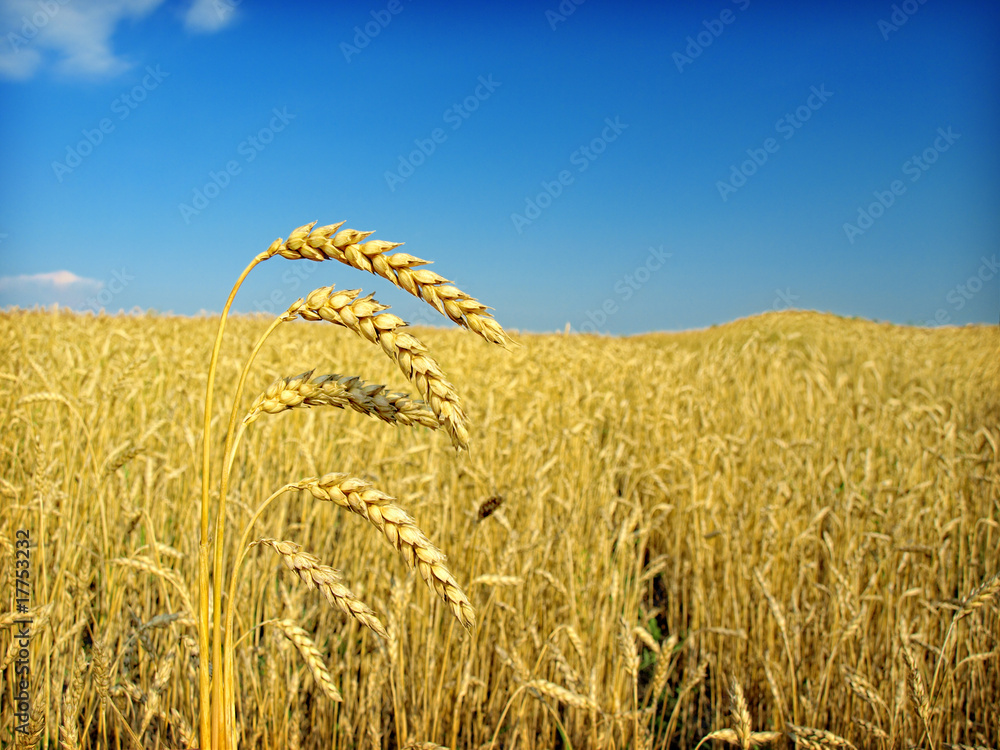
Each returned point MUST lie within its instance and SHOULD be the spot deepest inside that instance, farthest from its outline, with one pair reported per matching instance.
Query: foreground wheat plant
(440, 407)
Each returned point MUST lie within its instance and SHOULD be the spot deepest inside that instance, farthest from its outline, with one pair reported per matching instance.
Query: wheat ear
(360, 497)
(740, 713)
(327, 580)
(402, 269)
(561, 694)
(312, 656)
(821, 737)
(341, 391)
(362, 316)
(69, 735)
(29, 739)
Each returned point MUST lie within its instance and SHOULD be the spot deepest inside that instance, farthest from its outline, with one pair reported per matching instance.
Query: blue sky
(620, 167)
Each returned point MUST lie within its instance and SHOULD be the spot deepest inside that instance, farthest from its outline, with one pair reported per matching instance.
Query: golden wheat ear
(327, 580)
(341, 391)
(402, 269)
(366, 316)
(360, 497)
(312, 657)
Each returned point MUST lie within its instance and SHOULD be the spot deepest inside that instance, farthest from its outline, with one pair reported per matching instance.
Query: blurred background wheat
(796, 514)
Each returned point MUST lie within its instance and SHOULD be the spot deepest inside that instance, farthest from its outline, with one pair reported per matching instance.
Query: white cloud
(55, 279)
(76, 35)
(207, 16)
(64, 287)
(20, 65)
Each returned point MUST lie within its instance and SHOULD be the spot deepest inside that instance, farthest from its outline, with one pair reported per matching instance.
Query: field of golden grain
(787, 525)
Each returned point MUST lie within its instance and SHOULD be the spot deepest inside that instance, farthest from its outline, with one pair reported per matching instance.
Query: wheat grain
(570, 675)
(552, 581)
(728, 736)
(121, 456)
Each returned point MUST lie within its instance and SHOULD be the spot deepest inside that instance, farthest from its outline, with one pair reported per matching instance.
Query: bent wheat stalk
(217, 705)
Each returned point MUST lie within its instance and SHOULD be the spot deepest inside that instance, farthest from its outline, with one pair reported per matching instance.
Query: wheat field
(781, 530)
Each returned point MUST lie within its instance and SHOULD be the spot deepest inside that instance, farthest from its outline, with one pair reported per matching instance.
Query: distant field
(803, 505)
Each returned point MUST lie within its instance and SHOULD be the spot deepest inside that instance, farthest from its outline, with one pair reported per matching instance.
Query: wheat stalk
(693, 680)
